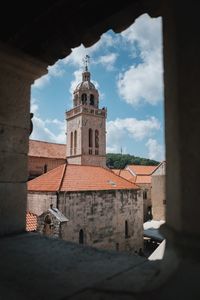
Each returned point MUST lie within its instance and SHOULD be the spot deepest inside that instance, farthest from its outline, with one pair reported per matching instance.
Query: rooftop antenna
(86, 61)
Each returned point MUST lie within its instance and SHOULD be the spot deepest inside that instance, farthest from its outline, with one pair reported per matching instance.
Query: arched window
(91, 99)
(45, 168)
(84, 99)
(126, 229)
(90, 138)
(144, 194)
(81, 237)
(71, 143)
(96, 139)
(75, 141)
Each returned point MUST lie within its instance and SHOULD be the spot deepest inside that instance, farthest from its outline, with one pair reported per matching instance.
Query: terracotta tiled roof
(46, 149)
(143, 179)
(79, 178)
(137, 179)
(31, 222)
(125, 174)
(141, 170)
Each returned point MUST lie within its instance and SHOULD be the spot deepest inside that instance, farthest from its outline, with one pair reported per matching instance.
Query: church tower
(86, 125)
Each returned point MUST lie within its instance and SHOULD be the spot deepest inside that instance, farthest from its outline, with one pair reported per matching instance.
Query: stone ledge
(37, 267)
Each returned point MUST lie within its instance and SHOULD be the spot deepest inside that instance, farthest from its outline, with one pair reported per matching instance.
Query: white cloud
(143, 82)
(41, 128)
(53, 71)
(108, 60)
(135, 129)
(155, 150)
(77, 55)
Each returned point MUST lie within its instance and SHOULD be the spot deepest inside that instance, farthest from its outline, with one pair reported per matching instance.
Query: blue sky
(127, 70)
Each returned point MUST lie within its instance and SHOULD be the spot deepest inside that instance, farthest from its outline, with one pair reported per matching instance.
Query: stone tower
(86, 125)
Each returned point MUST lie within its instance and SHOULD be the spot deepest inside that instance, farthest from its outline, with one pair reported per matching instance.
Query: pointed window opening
(75, 141)
(126, 229)
(81, 237)
(96, 139)
(91, 99)
(71, 143)
(84, 99)
(90, 138)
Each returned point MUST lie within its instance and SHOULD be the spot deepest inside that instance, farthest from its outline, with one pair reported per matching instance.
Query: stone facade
(147, 203)
(38, 203)
(158, 194)
(40, 165)
(102, 219)
(86, 126)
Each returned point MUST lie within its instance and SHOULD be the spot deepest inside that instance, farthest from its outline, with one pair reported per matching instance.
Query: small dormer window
(84, 99)
(91, 99)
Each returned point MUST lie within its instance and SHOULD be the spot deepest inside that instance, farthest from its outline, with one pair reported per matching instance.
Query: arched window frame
(92, 99)
(75, 141)
(90, 140)
(126, 230)
(84, 98)
(96, 138)
(81, 236)
(71, 143)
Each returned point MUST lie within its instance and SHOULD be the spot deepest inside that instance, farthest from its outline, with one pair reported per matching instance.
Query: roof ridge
(46, 142)
(62, 177)
(133, 183)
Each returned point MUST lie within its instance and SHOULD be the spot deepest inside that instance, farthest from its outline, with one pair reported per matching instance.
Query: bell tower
(86, 125)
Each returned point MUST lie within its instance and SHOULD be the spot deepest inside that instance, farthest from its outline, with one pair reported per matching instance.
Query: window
(90, 138)
(144, 194)
(81, 237)
(75, 141)
(91, 99)
(45, 168)
(84, 99)
(126, 229)
(96, 139)
(71, 143)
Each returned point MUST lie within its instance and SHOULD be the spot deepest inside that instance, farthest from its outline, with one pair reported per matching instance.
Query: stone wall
(101, 216)
(36, 165)
(158, 197)
(39, 202)
(146, 187)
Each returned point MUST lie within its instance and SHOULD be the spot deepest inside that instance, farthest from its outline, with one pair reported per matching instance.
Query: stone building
(104, 210)
(44, 156)
(158, 193)
(141, 176)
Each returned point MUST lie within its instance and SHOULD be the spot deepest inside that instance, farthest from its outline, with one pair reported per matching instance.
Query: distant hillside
(119, 161)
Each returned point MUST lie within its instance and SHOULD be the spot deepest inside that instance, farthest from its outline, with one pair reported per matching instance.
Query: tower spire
(86, 61)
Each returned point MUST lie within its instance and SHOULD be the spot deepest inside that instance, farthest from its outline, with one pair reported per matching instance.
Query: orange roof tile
(79, 178)
(143, 179)
(31, 222)
(141, 170)
(46, 149)
(125, 174)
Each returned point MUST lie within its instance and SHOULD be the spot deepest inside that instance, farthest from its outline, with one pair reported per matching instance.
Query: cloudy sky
(127, 70)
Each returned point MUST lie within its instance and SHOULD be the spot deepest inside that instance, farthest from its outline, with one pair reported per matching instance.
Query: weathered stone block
(13, 139)
(12, 207)
(13, 167)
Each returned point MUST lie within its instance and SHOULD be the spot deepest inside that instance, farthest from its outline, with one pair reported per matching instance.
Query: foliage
(119, 161)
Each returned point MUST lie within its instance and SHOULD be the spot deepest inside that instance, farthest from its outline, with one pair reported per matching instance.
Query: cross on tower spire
(86, 61)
